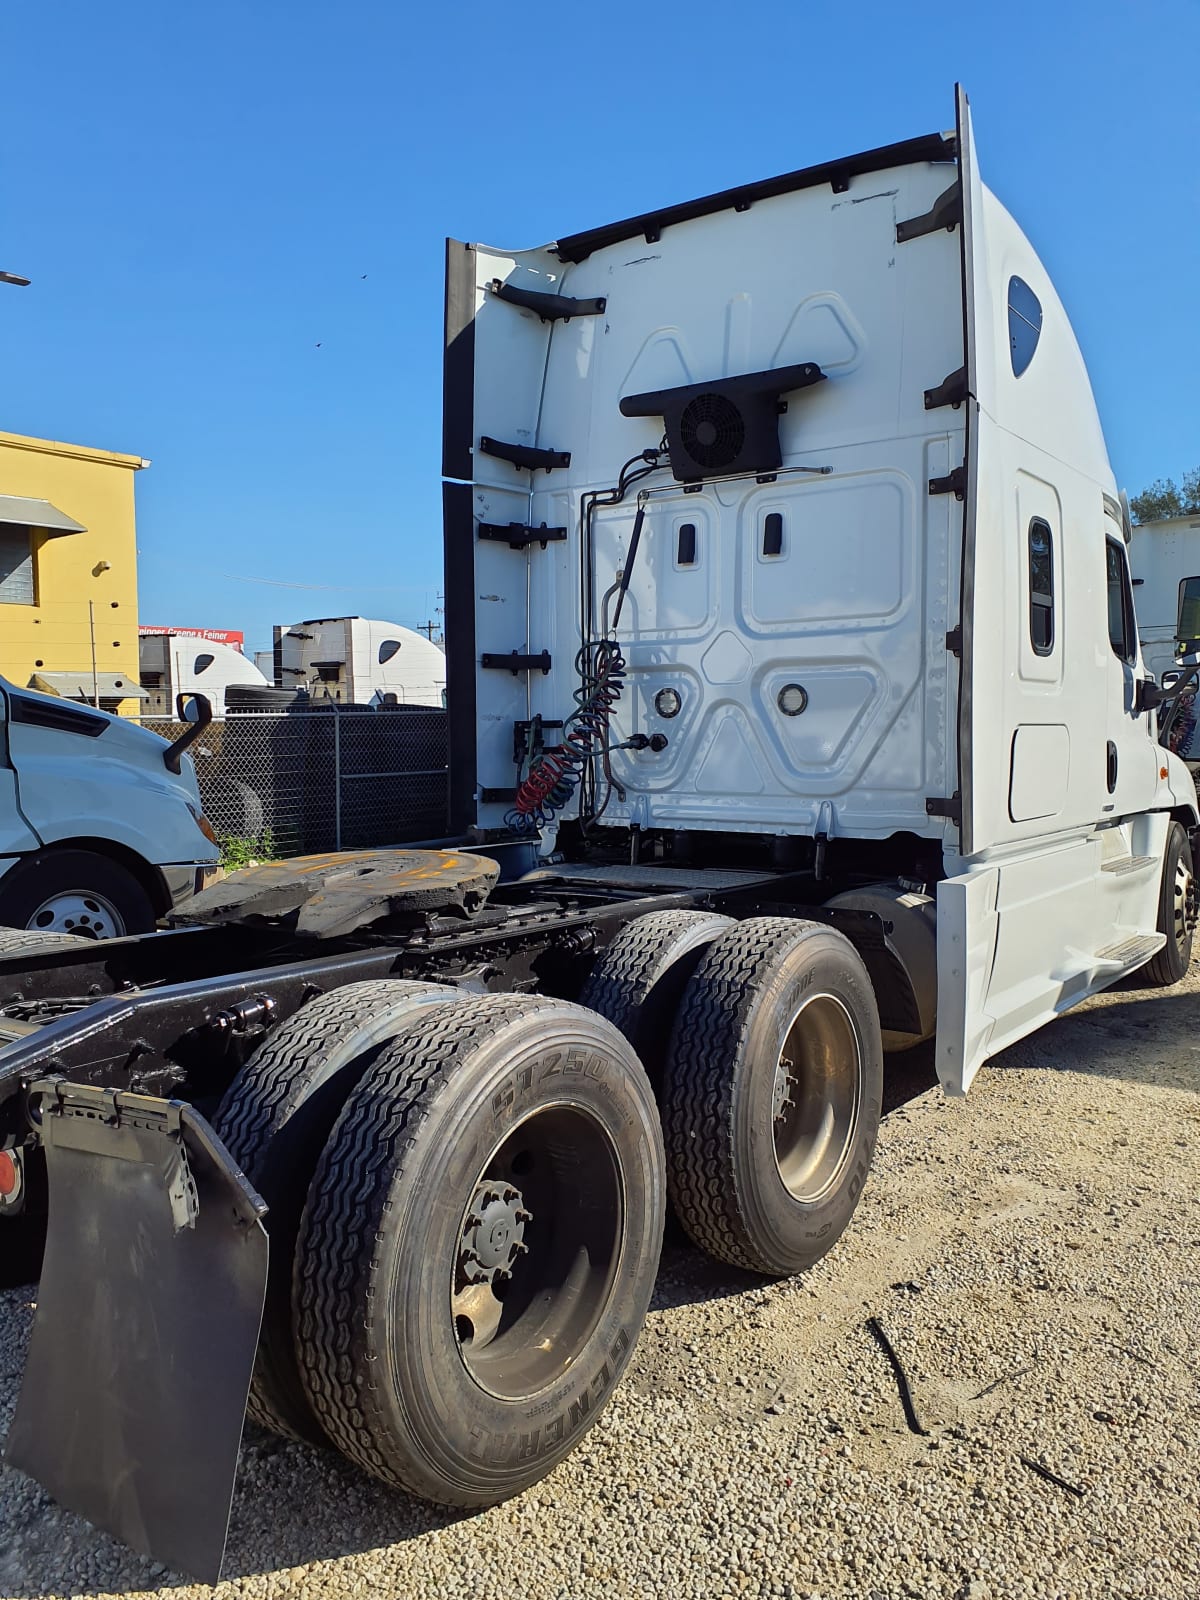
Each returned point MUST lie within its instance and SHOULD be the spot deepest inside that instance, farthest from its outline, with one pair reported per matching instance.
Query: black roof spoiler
(929, 147)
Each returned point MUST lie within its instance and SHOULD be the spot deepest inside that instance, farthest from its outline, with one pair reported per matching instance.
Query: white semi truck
(101, 826)
(1165, 560)
(796, 706)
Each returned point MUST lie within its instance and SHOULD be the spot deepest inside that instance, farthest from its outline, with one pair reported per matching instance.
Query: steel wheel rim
(816, 1098)
(82, 912)
(537, 1251)
(1185, 903)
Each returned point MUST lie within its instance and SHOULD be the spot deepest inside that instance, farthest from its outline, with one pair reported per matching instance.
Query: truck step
(1133, 951)
(1123, 864)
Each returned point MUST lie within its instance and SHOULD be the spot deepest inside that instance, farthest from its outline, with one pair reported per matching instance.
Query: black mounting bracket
(518, 535)
(952, 391)
(951, 808)
(549, 307)
(525, 455)
(946, 212)
(954, 483)
(954, 641)
(528, 737)
(515, 662)
(490, 797)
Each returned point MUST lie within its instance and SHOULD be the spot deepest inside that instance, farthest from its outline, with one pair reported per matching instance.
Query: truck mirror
(196, 710)
(1147, 695)
(1187, 626)
(189, 708)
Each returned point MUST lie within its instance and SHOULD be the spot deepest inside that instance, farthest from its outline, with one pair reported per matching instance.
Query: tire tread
(697, 1104)
(272, 1085)
(336, 1266)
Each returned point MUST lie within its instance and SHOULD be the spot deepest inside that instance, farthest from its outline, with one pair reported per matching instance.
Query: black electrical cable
(554, 777)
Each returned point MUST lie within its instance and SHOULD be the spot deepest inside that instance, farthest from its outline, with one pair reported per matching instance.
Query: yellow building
(68, 571)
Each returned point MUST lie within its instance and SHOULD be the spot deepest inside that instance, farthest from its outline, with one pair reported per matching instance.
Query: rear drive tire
(77, 892)
(274, 1120)
(772, 1092)
(638, 980)
(1176, 913)
(479, 1246)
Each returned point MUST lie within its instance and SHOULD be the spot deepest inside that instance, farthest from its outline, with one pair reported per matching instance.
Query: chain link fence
(295, 781)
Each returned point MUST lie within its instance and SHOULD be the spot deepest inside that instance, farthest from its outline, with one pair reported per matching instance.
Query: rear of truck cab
(906, 622)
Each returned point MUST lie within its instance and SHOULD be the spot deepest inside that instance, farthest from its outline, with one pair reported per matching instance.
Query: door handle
(1112, 767)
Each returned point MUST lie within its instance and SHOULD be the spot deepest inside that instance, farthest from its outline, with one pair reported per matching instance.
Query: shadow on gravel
(688, 1277)
(1123, 1037)
(293, 1505)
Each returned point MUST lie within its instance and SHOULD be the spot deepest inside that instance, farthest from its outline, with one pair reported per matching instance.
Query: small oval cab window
(201, 664)
(388, 649)
(1024, 324)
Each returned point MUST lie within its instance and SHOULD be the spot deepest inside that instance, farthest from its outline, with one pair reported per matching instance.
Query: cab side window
(1041, 587)
(1122, 631)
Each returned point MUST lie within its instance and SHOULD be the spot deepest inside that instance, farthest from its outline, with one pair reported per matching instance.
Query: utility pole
(92, 631)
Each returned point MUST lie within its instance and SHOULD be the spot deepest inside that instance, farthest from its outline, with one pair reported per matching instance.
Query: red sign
(214, 635)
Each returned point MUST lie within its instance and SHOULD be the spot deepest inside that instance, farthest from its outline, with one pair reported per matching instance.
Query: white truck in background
(796, 704)
(358, 661)
(1164, 558)
(101, 826)
(174, 664)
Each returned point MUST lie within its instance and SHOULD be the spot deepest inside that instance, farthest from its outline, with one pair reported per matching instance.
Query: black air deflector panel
(526, 456)
(649, 225)
(728, 426)
(549, 307)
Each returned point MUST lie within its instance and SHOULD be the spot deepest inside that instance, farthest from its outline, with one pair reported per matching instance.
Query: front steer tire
(535, 1116)
(772, 1094)
(1176, 914)
(106, 900)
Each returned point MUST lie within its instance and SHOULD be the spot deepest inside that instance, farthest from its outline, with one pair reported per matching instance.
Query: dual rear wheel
(467, 1211)
(468, 1192)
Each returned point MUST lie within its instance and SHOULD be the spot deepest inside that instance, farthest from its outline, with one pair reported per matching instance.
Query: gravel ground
(1032, 1254)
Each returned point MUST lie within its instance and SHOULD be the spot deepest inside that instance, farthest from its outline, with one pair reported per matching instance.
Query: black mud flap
(134, 1393)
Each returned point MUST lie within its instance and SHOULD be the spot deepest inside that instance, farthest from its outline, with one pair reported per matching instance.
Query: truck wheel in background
(771, 1095)
(479, 1246)
(77, 892)
(1176, 913)
(274, 1119)
(23, 942)
(638, 979)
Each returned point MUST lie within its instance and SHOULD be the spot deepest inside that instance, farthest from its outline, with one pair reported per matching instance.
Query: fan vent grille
(712, 430)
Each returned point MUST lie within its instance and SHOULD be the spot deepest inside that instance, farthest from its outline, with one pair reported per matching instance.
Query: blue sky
(233, 215)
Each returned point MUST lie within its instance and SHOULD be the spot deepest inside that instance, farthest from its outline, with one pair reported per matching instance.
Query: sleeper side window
(1024, 324)
(1041, 587)
(1122, 633)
